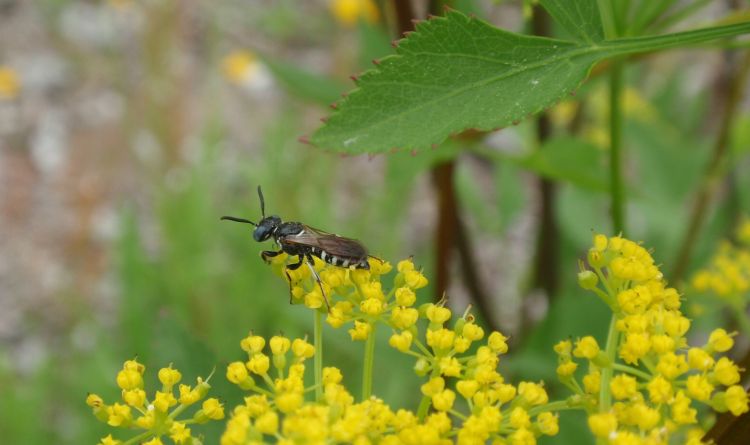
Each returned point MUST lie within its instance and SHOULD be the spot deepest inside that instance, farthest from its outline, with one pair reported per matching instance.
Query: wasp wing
(328, 242)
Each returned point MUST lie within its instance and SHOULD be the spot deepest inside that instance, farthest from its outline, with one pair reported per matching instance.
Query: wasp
(305, 242)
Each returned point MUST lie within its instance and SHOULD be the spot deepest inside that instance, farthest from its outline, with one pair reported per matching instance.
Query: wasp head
(266, 228)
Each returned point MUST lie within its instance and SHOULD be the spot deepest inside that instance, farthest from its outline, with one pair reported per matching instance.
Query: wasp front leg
(289, 267)
(266, 255)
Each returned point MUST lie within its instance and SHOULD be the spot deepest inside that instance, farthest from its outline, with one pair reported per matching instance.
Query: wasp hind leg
(310, 264)
(289, 267)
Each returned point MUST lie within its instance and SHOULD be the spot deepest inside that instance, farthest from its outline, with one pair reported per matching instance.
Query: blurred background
(127, 128)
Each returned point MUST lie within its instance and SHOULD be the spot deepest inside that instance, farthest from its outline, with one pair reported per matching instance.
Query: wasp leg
(310, 263)
(267, 254)
(289, 267)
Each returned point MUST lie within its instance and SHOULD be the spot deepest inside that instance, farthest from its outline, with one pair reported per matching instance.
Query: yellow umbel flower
(159, 414)
(659, 376)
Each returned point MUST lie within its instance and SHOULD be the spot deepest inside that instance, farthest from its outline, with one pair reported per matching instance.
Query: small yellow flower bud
(443, 401)
(314, 299)
(360, 331)
(237, 374)
(623, 386)
(252, 344)
(415, 279)
(433, 386)
(129, 379)
(179, 433)
(372, 306)
(302, 349)
(405, 266)
(134, 397)
(289, 402)
(440, 339)
(699, 388)
(146, 421)
(720, 340)
(188, 396)
(600, 242)
(437, 314)
(467, 388)
(258, 364)
(519, 418)
(211, 409)
(587, 279)
(169, 377)
(564, 347)
(602, 424)
(94, 401)
(279, 345)
(548, 424)
(461, 344)
(586, 347)
(119, 415)
(497, 343)
(726, 372)
(736, 400)
(472, 332)
(154, 441)
(700, 359)
(533, 393)
(662, 344)
(401, 341)
(659, 390)
(164, 400)
(505, 392)
(566, 369)
(405, 296)
(108, 440)
(591, 382)
(332, 375)
(404, 317)
(421, 367)
(450, 367)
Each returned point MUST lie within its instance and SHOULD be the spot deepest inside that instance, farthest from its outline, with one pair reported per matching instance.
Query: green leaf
(456, 73)
(304, 84)
(580, 18)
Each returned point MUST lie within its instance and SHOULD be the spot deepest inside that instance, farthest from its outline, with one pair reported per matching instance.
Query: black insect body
(305, 242)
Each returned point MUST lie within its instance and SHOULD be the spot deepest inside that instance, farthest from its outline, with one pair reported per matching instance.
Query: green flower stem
(318, 357)
(557, 405)
(424, 404)
(630, 370)
(607, 14)
(369, 360)
(139, 438)
(605, 393)
(615, 151)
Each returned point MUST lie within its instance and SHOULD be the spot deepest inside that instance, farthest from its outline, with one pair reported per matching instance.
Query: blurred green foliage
(190, 287)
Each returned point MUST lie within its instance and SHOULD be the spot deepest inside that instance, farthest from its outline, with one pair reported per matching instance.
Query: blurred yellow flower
(10, 85)
(349, 12)
(240, 66)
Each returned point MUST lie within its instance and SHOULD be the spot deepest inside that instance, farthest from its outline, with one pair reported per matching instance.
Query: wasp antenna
(262, 203)
(235, 219)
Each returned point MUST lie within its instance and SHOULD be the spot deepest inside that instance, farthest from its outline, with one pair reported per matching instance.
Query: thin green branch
(318, 357)
(368, 364)
(617, 190)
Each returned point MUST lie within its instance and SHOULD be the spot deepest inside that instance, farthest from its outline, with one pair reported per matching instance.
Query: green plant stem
(634, 371)
(643, 44)
(615, 153)
(681, 14)
(318, 360)
(605, 393)
(607, 14)
(368, 364)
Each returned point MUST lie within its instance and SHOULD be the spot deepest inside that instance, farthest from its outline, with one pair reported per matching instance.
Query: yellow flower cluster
(497, 410)
(356, 296)
(158, 416)
(728, 272)
(643, 387)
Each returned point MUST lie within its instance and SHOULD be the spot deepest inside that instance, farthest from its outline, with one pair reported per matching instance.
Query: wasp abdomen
(341, 261)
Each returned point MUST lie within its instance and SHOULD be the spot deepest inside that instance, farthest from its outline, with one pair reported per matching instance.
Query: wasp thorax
(266, 228)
